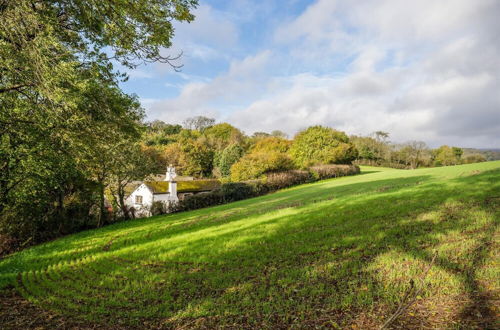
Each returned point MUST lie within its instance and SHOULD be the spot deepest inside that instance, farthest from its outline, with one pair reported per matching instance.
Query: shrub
(322, 172)
(235, 191)
(159, 208)
(259, 187)
(280, 180)
(198, 201)
(474, 158)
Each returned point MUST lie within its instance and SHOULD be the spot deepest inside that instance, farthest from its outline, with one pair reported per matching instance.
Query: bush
(322, 172)
(159, 208)
(198, 201)
(259, 187)
(8, 244)
(474, 158)
(235, 191)
(280, 180)
(255, 165)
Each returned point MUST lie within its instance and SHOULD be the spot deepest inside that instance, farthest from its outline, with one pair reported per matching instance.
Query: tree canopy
(322, 145)
(64, 122)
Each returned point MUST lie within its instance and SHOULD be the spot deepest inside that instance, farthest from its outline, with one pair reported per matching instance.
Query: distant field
(336, 253)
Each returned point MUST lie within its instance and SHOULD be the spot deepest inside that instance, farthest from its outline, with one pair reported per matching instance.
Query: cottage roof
(197, 185)
(161, 187)
(157, 187)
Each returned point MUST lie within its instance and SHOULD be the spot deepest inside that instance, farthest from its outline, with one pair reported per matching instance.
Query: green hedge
(235, 191)
(322, 172)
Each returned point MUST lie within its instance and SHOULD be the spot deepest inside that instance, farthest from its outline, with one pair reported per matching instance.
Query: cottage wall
(161, 197)
(147, 200)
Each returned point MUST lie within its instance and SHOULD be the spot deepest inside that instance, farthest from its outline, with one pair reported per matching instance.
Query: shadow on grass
(141, 231)
(282, 264)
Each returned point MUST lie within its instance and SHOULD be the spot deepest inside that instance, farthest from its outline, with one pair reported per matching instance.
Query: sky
(422, 70)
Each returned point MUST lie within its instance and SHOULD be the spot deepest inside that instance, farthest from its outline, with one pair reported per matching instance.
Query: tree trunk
(102, 209)
(121, 200)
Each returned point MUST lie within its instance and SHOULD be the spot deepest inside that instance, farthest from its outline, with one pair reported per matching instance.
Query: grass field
(336, 253)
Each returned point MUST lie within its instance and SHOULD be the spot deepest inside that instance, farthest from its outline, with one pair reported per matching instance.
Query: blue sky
(426, 70)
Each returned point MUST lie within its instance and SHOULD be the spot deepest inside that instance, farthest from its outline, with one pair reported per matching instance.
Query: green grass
(326, 253)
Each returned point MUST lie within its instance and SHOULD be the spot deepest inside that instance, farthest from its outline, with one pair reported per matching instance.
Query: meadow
(337, 253)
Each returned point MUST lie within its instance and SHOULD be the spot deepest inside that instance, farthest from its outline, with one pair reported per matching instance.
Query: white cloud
(207, 36)
(423, 70)
(198, 98)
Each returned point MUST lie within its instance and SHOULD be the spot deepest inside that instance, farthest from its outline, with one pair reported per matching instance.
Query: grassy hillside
(336, 253)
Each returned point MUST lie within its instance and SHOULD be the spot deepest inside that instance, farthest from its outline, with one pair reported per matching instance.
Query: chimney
(170, 175)
(172, 189)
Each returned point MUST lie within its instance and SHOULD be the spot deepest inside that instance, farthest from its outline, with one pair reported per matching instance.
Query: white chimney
(170, 175)
(172, 189)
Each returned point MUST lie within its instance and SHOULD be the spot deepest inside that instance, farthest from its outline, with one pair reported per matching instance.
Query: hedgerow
(235, 191)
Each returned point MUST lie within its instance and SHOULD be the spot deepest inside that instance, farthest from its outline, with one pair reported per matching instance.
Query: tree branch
(14, 87)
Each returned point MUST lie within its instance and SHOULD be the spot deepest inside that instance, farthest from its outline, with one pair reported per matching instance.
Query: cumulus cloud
(242, 80)
(425, 70)
(207, 36)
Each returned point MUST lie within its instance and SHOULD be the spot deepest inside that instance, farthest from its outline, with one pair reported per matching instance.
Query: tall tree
(415, 151)
(56, 78)
(199, 123)
(322, 145)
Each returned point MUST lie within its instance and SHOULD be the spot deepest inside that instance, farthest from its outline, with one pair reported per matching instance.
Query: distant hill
(490, 154)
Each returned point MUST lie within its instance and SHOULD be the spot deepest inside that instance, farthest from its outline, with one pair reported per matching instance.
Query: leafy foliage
(322, 145)
(322, 172)
(65, 124)
(256, 164)
(225, 159)
(445, 156)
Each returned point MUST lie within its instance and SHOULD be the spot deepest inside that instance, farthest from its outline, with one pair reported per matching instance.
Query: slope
(339, 252)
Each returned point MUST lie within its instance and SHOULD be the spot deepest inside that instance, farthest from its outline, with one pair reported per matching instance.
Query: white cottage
(167, 191)
(143, 197)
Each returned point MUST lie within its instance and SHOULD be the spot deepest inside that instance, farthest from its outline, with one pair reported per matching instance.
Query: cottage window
(138, 200)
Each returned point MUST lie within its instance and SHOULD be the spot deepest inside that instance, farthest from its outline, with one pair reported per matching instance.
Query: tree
(60, 99)
(259, 135)
(415, 151)
(444, 156)
(271, 144)
(381, 135)
(374, 151)
(199, 123)
(268, 154)
(107, 139)
(458, 152)
(225, 159)
(222, 135)
(131, 162)
(322, 145)
(197, 158)
(474, 158)
(280, 134)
